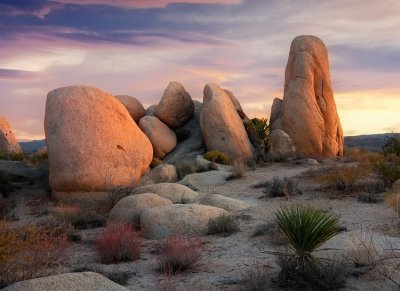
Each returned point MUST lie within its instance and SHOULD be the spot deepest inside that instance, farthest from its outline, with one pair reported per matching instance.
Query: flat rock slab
(227, 203)
(177, 193)
(18, 169)
(200, 181)
(160, 222)
(85, 281)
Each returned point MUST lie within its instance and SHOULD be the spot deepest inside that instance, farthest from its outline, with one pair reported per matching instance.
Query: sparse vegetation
(256, 278)
(29, 252)
(216, 156)
(223, 225)
(279, 187)
(119, 242)
(155, 162)
(7, 207)
(12, 156)
(258, 131)
(185, 168)
(370, 197)
(238, 170)
(388, 173)
(178, 253)
(391, 145)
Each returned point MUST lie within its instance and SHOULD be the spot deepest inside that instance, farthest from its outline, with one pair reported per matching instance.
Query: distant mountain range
(369, 142)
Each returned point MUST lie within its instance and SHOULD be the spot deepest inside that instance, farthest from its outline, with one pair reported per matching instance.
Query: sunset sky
(136, 47)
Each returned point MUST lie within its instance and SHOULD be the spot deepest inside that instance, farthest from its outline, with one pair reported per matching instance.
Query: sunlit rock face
(222, 126)
(8, 142)
(308, 112)
(93, 143)
(176, 106)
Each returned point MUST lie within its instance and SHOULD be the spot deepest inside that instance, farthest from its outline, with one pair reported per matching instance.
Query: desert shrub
(393, 200)
(29, 252)
(178, 253)
(256, 278)
(363, 156)
(238, 170)
(185, 168)
(364, 253)
(7, 207)
(343, 179)
(388, 173)
(279, 187)
(391, 145)
(12, 156)
(82, 216)
(370, 197)
(258, 131)
(155, 162)
(306, 228)
(216, 156)
(119, 242)
(182, 134)
(223, 225)
(39, 158)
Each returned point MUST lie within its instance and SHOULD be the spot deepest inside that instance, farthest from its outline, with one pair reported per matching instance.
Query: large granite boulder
(88, 281)
(8, 142)
(175, 192)
(93, 143)
(130, 208)
(222, 126)
(238, 107)
(188, 149)
(176, 106)
(161, 136)
(160, 222)
(281, 147)
(134, 107)
(308, 111)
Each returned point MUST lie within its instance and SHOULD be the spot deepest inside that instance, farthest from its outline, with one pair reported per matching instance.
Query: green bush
(217, 157)
(258, 131)
(182, 134)
(223, 224)
(388, 173)
(306, 228)
(391, 145)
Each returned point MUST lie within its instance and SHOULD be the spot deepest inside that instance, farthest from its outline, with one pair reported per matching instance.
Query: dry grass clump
(178, 253)
(363, 156)
(29, 252)
(393, 200)
(256, 278)
(119, 242)
(279, 187)
(223, 225)
(344, 179)
(239, 169)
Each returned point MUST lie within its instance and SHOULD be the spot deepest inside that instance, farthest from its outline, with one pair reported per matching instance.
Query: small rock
(227, 203)
(175, 192)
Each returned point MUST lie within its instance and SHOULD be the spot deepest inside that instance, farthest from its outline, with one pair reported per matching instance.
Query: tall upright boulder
(308, 112)
(222, 126)
(93, 143)
(176, 105)
(8, 142)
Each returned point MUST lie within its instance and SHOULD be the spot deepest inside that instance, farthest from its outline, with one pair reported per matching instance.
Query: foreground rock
(129, 209)
(92, 142)
(134, 107)
(188, 149)
(163, 221)
(227, 203)
(308, 110)
(222, 126)
(163, 173)
(205, 180)
(176, 106)
(175, 192)
(19, 170)
(87, 281)
(8, 142)
(161, 136)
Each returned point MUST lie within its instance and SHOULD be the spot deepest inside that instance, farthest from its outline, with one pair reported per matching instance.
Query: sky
(136, 47)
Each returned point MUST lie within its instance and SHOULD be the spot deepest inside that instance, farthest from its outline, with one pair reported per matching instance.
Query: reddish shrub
(178, 253)
(119, 242)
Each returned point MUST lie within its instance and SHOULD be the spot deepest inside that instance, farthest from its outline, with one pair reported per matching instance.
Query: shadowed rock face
(222, 126)
(134, 107)
(308, 110)
(93, 143)
(8, 142)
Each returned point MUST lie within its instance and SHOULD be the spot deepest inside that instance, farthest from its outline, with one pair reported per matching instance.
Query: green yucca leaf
(306, 228)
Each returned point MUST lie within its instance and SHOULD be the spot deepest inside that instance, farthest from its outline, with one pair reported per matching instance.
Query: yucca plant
(307, 229)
